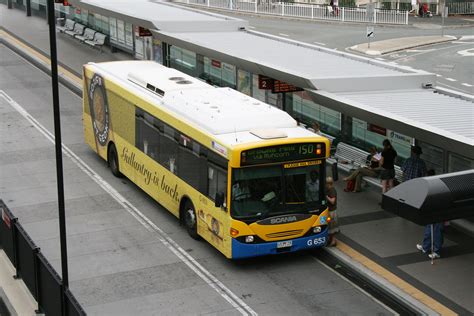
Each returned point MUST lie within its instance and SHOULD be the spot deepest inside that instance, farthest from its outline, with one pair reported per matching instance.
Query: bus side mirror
(219, 200)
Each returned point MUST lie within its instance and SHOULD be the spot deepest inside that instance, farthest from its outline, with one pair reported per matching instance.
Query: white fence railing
(309, 11)
(460, 7)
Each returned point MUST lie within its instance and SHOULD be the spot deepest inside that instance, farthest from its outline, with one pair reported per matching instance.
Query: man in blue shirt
(414, 167)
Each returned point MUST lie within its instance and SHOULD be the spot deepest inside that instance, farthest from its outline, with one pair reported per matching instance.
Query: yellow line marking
(39, 56)
(395, 280)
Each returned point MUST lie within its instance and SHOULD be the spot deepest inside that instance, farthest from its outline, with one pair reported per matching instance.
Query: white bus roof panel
(220, 111)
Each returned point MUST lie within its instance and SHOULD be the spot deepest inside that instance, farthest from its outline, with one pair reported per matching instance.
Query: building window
(366, 135)
(244, 83)
(219, 73)
(113, 29)
(307, 111)
(459, 163)
(183, 60)
(433, 157)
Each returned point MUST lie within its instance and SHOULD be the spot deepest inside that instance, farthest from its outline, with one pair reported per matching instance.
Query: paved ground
(108, 248)
(116, 265)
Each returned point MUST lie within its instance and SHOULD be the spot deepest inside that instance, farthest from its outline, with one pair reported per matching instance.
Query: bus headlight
(249, 239)
(316, 229)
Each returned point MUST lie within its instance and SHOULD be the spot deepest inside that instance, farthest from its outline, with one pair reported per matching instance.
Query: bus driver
(312, 187)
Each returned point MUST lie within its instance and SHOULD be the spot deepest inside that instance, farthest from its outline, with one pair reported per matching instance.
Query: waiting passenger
(331, 197)
(414, 167)
(437, 236)
(388, 165)
(316, 128)
(370, 170)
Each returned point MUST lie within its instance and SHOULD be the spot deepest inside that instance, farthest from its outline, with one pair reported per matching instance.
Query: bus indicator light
(318, 151)
(234, 232)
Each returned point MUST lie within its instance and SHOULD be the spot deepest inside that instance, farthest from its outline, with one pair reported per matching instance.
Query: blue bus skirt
(243, 250)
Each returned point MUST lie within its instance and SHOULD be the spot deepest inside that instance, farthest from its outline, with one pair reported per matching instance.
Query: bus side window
(192, 165)
(168, 156)
(147, 134)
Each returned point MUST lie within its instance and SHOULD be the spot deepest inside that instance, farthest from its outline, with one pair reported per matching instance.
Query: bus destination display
(281, 153)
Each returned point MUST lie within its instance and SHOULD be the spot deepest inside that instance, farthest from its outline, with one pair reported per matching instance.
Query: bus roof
(230, 116)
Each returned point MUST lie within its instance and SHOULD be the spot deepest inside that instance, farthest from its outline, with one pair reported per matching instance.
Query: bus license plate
(284, 244)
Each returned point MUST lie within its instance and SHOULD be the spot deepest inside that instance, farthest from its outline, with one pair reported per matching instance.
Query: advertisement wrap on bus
(247, 191)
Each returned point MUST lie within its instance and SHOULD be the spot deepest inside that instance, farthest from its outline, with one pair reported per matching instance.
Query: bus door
(214, 221)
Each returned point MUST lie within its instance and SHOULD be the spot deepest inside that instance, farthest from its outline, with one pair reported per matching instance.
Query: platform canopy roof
(160, 15)
(379, 92)
(432, 115)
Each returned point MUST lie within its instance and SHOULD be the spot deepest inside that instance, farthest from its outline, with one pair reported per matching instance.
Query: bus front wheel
(190, 220)
(112, 160)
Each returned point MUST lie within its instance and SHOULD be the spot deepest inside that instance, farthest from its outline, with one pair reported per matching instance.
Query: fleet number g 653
(316, 241)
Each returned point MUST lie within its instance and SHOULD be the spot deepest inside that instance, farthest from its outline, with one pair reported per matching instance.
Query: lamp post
(58, 142)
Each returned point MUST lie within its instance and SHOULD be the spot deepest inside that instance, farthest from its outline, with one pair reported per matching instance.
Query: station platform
(374, 240)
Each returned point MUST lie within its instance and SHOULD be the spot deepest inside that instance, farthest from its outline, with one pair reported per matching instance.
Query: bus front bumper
(243, 250)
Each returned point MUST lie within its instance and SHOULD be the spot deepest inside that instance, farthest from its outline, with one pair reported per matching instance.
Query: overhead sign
(377, 129)
(264, 82)
(277, 86)
(370, 31)
(216, 63)
(144, 32)
(280, 86)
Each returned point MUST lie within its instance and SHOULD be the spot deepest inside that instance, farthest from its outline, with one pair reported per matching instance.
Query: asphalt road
(442, 59)
(119, 265)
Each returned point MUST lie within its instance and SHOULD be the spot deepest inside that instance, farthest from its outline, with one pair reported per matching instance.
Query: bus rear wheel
(112, 160)
(190, 220)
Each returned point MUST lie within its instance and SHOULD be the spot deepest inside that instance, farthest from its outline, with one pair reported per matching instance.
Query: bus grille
(287, 233)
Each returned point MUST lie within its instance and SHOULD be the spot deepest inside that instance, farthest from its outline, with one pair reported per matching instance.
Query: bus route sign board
(281, 153)
(280, 87)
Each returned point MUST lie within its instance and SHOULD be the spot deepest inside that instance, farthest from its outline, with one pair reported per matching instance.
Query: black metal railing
(34, 269)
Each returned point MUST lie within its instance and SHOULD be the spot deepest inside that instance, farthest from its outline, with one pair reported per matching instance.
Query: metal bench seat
(78, 30)
(350, 158)
(88, 35)
(98, 41)
(68, 26)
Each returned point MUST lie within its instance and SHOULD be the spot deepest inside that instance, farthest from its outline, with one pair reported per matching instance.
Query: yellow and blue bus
(237, 172)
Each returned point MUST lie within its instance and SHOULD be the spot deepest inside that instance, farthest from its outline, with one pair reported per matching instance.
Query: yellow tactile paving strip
(395, 280)
(353, 254)
(62, 71)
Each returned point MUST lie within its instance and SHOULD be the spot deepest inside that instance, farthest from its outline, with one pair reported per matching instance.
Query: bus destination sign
(282, 153)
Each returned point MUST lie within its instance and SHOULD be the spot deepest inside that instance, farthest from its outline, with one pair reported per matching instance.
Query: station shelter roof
(432, 115)
(379, 92)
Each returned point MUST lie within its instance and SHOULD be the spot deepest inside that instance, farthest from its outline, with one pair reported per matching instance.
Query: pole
(10, 4)
(58, 142)
(28, 7)
(443, 13)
